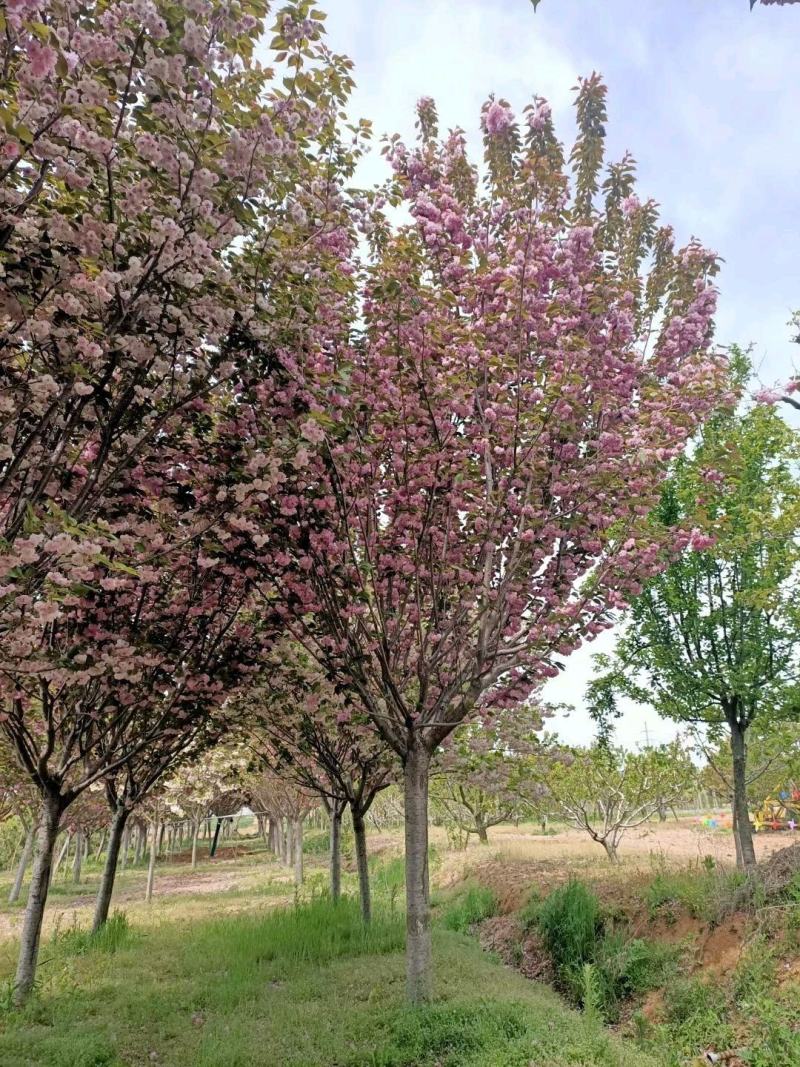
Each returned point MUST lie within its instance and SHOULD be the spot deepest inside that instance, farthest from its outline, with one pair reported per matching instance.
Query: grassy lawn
(301, 987)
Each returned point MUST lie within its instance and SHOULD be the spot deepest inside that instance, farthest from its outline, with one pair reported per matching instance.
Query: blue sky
(704, 93)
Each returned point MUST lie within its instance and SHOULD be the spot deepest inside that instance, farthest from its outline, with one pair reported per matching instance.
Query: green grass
(305, 987)
(596, 964)
(479, 902)
(704, 891)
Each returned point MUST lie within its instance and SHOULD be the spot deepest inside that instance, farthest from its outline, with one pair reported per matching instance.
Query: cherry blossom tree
(152, 233)
(491, 430)
(288, 804)
(311, 734)
(195, 789)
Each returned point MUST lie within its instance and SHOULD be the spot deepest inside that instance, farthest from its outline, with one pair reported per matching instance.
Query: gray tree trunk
(77, 861)
(286, 851)
(139, 847)
(24, 860)
(480, 828)
(126, 843)
(106, 888)
(100, 847)
(743, 828)
(151, 867)
(360, 842)
(46, 833)
(61, 855)
(611, 850)
(737, 844)
(195, 835)
(297, 842)
(336, 851)
(418, 920)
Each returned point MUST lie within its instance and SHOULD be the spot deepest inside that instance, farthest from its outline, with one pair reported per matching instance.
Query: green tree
(712, 640)
(607, 791)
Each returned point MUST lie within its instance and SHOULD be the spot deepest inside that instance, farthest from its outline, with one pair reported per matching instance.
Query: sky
(704, 93)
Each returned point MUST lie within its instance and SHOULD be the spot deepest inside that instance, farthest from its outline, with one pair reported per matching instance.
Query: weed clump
(478, 903)
(597, 966)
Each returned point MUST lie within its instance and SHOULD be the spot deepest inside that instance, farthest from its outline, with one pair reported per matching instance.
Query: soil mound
(780, 868)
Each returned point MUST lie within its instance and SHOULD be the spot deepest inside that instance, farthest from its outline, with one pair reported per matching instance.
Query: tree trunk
(151, 867)
(286, 844)
(418, 919)
(743, 828)
(24, 860)
(195, 834)
(46, 833)
(106, 888)
(336, 851)
(297, 841)
(60, 858)
(139, 846)
(126, 842)
(360, 842)
(78, 859)
(100, 846)
(737, 844)
(480, 829)
(611, 850)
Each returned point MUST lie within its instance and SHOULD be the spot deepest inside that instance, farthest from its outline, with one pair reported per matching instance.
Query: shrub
(479, 902)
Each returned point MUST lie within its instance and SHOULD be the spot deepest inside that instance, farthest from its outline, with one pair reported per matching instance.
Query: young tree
(476, 771)
(607, 791)
(194, 790)
(494, 423)
(713, 639)
(309, 733)
(288, 804)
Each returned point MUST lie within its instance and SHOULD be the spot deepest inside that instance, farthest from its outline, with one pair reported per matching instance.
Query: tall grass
(478, 903)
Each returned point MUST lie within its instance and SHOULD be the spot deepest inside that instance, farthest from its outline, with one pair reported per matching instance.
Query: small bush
(591, 960)
(317, 843)
(479, 902)
(778, 1042)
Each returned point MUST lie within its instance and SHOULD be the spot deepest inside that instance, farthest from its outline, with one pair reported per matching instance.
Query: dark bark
(46, 833)
(418, 921)
(743, 827)
(106, 887)
(360, 842)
